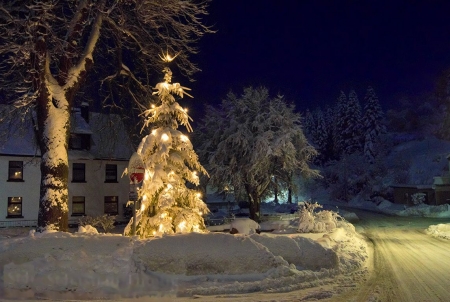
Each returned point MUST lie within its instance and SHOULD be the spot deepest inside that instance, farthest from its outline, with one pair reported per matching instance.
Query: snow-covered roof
(78, 124)
(109, 138)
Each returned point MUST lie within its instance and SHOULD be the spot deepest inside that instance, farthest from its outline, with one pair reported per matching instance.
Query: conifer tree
(373, 123)
(309, 124)
(168, 205)
(321, 136)
(354, 129)
(340, 124)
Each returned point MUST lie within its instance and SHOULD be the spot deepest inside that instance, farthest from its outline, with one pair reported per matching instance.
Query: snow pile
(245, 226)
(441, 230)
(90, 265)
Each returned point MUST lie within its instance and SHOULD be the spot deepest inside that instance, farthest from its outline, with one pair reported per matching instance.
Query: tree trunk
(53, 144)
(254, 207)
(275, 183)
(290, 194)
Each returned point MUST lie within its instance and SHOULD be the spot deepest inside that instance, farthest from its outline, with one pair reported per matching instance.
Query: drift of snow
(91, 265)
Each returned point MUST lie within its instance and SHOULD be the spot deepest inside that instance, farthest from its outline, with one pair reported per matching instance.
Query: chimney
(85, 111)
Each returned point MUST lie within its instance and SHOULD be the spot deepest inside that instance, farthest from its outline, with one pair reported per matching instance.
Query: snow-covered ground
(89, 265)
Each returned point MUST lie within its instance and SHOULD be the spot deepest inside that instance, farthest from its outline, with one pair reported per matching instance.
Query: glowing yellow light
(153, 132)
(185, 109)
(166, 57)
(154, 233)
(164, 137)
(161, 228)
(182, 226)
(144, 198)
(153, 106)
(169, 186)
(199, 195)
(196, 228)
(184, 138)
(142, 207)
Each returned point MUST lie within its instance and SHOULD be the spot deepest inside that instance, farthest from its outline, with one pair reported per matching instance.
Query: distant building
(99, 150)
(436, 194)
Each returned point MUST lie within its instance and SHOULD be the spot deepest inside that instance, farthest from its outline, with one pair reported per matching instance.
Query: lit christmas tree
(170, 162)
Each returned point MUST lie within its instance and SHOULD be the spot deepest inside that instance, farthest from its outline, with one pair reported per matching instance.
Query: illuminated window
(78, 172)
(14, 207)
(78, 205)
(15, 172)
(111, 173)
(112, 205)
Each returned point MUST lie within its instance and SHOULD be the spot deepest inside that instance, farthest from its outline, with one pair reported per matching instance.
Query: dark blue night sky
(309, 50)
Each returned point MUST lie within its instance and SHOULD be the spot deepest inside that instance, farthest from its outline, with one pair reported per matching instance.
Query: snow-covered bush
(106, 222)
(319, 222)
(418, 198)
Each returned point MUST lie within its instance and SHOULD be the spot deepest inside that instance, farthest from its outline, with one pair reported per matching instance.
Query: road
(408, 264)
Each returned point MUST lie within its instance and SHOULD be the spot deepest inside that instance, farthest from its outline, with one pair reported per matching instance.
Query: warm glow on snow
(182, 226)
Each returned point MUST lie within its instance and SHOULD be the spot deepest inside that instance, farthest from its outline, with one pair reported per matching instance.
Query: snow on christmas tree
(168, 205)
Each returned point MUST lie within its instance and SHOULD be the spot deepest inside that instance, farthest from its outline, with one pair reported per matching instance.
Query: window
(15, 172)
(112, 205)
(111, 173)
(14, 207)
(78, 174)
(79, 141)
(77, 205)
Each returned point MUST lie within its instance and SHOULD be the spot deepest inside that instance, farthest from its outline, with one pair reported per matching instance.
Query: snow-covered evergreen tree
(340, 124)
(349, 128)
(309, 124)
(321, 136)
(167, 204)
(374, 126)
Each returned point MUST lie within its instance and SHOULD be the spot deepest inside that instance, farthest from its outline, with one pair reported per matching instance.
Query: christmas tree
(168, 204)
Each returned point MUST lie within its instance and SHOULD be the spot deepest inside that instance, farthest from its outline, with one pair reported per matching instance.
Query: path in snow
(408, 264)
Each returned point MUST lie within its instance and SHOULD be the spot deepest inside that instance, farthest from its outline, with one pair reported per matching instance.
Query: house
(436, 194)
(404, 194)
(99, 150)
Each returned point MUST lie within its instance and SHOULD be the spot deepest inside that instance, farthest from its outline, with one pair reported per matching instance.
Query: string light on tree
(167, 204)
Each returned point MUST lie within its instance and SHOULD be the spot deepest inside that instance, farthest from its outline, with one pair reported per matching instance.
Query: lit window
(111, 173)
(14, 207)
(78, 205)
(78, 172)
(15, 172)
(112, 205)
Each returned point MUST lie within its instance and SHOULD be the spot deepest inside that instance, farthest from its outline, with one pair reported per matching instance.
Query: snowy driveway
(409, 265)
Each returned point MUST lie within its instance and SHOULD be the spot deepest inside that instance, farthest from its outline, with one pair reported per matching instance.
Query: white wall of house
(28, 189)
(94, 189)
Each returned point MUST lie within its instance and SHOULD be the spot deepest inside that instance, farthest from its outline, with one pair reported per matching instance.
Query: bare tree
(47, 51)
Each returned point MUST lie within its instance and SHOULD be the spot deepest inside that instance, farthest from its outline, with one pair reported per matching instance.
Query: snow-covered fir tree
(168, 205)
(321, 136)
(340, 123)
(309, 124)
(374, 126)
(349, 128)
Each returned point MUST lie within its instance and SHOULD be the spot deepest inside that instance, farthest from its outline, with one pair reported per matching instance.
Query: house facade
(99, 150)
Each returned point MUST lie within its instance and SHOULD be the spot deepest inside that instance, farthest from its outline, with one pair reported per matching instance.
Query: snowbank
(89, 265)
